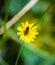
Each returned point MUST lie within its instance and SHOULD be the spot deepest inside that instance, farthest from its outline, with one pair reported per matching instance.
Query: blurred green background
(42, 50)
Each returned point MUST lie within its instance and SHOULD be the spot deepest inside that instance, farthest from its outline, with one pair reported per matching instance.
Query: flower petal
(19, 28)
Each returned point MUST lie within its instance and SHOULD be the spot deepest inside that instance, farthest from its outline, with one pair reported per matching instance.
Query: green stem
(18, 55)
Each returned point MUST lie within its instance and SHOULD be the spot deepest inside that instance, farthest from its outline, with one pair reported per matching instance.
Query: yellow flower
(27, 32)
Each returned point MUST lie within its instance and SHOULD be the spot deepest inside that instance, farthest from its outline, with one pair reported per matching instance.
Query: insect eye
(27, 28)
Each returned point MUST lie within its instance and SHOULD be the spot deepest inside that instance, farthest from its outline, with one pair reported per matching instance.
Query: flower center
(26, 31)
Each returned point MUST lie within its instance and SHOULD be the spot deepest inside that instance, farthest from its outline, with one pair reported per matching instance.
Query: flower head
(27, 32)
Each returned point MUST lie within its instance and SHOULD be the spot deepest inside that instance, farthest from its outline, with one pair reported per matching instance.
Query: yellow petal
(34, 27)
(22, 24)
(19, 28)
(18, 33)
(26, 23)
(31, 25)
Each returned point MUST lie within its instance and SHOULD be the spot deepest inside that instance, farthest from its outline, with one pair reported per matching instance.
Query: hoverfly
(26, 31)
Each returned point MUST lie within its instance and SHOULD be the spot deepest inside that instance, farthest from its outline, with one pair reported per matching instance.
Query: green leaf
(3, 62)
